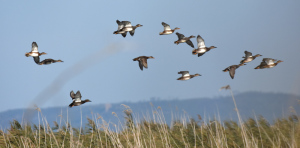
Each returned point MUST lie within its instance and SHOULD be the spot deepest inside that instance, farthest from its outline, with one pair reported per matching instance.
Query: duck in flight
(202, 49)
(76, 98)
(248, 57)
(232, 69)
(34, 51)
(48, 61)
(183, 39)
(268, 63)
(143, 61)
(167, 29)
(186, 75)
(125, 26)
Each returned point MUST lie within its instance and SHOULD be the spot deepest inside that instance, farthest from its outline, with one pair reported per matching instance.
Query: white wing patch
(167, 28)
(200, 41)
(77, 100)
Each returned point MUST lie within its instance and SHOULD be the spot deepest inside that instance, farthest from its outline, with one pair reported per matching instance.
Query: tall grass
(133, 130)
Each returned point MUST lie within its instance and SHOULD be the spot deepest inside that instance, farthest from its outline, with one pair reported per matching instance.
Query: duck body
(248, 57)
(232, 69)
(202, 49)
(49, 61)
(143, 61)
(125, 26)
(167, 29)
(268, 63)
(183, 39)
(186, 75)
(34, 51)
(76, 98)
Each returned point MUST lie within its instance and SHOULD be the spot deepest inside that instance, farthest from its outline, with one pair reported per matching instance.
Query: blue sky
(80, 33)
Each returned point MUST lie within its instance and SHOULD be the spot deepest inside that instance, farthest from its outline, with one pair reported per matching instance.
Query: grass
(145, 131)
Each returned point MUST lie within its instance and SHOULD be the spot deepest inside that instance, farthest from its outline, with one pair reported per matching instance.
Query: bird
(182, 39)
(122, 24)
(268, 63)
(143, 61)
(186, 75)
(167, 29)
(202, 49)
(232, 69)
(76, 98)
(248, 57)
(34, 51)
(125, 26)
(48, 61)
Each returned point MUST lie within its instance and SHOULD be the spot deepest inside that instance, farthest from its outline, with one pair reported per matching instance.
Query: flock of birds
(125, 26)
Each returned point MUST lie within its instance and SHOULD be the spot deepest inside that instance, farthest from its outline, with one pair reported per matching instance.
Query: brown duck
(186, 75)
(34, 51)
(76, 98)
(48, 61)
(167, 29)
(268, 63)
(248, 57)
(143, 61)
(232, 69)
(183, 39)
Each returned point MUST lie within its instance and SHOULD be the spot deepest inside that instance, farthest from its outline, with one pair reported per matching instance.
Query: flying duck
(186, 75)
(48, 61)
(232, 69)
(248, 57)
(268, 63)
(76, 98)
(167, 29)
(143, 61)
(202, 49)
(34, 51)
(182, 39)
(122, 24)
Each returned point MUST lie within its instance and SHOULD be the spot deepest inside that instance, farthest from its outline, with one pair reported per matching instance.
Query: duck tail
(194, 52)
(27, 54)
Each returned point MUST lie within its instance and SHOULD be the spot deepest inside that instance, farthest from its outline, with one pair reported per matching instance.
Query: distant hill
(269, 105)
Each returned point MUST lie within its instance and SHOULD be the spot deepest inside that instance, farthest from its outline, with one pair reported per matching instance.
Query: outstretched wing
(180, 36)
(144, 62)
(132, 32)
(140, 65)
(36, 59)
(34, 47)
(124, 34)
(189, 42)
(184, 73)
(200, 42)
(248, 54)
(232, 71)
(78, 96)
(166, 26)
(268, 61)
(72, 95)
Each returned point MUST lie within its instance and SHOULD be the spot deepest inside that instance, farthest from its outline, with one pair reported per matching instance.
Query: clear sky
(81, 32)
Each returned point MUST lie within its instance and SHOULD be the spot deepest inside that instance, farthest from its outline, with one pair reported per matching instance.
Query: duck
(49, 61)
(143, 61)
(268, 63)
(232, 69)
(186, 75)
(133, 29)
(167, 29)
(76, 98)
(34, 51)
(122, 24)
(248, 57)
(202, 49)
(182, 39)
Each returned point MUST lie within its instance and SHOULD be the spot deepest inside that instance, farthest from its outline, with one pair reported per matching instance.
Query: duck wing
(36, 59)
(166, 26)
(189, 42)
(141, 65)
(200, 54)
(72, 94)
(232, 71)
(184, 73)
(77, 96)
(248, 54)
(124, 34)
(34, 47)
(132, 32)
(180, 36)
(200, 42)
(144, 62)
